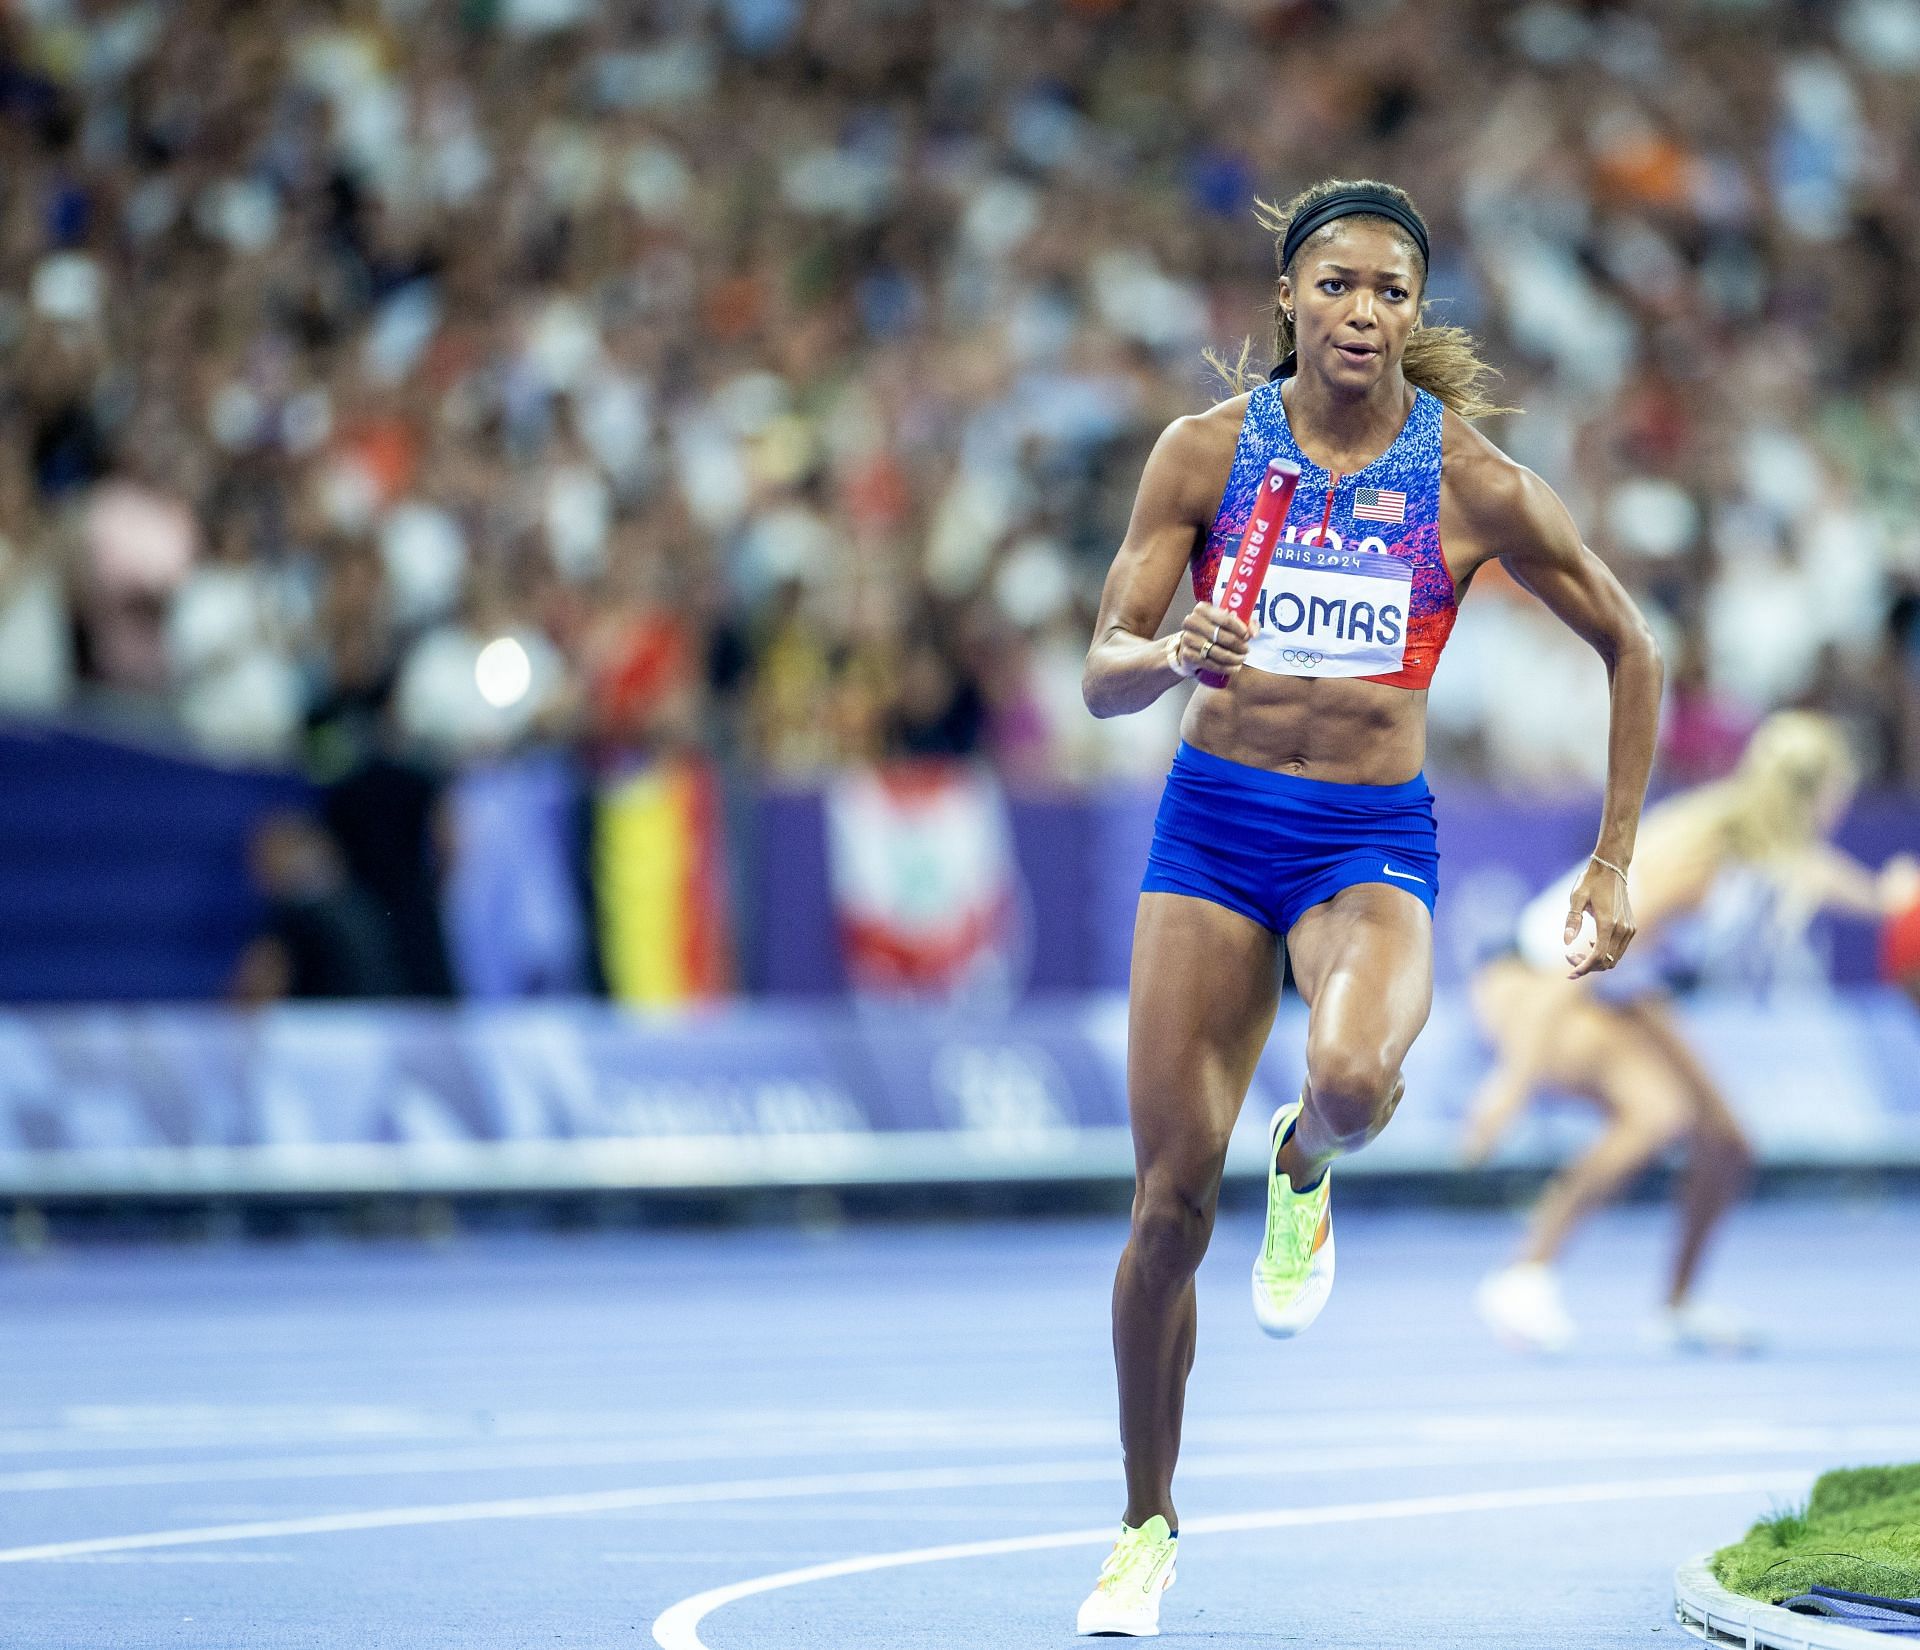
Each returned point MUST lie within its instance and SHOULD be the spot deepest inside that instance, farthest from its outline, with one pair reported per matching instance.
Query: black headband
(1350, 203)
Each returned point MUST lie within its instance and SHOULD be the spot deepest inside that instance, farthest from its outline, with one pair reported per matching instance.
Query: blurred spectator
(36, 645)
(324, 937)
(381, 804)
(638, 651)
(442, 377)
(138, 547)
(940, 710)
(1702, 734)
(480, 682)
(385, 814)
(230, 632)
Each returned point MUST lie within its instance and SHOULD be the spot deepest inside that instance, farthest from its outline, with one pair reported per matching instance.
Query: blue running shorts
(1270, 845)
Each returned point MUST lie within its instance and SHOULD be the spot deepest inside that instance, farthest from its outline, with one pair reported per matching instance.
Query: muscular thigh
(1205, 984)
(1363, 961)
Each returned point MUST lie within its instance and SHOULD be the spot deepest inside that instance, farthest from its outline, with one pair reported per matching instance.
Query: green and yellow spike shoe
(1293, 1274)
(1125, 1601)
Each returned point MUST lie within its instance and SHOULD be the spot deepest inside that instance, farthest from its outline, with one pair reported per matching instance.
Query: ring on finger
(1216, 635)
(1208, 655)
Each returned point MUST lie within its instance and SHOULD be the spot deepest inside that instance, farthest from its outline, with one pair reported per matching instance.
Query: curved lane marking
(565, 1506)
(678, 1626)
(801, 1486)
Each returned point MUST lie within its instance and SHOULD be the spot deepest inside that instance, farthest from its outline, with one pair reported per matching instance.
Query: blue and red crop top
(1359, 585)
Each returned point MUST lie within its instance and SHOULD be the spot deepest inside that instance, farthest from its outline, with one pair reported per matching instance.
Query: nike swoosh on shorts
(1404, 876)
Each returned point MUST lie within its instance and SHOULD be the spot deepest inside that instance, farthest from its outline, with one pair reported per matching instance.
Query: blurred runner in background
(1727, 877)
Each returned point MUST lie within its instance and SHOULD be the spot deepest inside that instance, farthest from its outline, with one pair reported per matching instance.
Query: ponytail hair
(1442, 360)
(1768, 810)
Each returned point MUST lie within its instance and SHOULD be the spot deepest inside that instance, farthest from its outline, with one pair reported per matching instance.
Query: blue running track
(582, 1441)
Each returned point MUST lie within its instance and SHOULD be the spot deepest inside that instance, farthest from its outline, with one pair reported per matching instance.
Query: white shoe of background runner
(1522, 1306)
(1707, 1329)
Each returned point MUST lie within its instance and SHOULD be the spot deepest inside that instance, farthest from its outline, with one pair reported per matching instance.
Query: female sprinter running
(1733, 871)
(1296, 811)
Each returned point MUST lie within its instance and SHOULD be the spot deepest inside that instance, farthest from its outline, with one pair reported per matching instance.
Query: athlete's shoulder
(1475, 468)
(1495, 495)
(1202, 435)
(1195, 452)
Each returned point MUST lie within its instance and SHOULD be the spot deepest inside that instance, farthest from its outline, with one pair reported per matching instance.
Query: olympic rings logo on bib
(1293, 656)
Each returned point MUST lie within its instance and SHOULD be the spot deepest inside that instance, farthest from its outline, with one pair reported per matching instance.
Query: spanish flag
(660, 873)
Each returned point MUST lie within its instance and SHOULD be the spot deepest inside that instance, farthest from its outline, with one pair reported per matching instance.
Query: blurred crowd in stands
(771, 377)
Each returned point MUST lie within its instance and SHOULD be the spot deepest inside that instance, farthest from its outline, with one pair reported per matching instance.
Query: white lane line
(177, 1558)
(462, 1437)
(108, 1428)
(100, 1428)
(802, 1486)
(678, 1626)
(1430, 1446)
(422, 1462)
(562, 1506)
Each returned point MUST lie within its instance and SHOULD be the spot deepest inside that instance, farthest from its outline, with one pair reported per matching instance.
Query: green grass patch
(1860, 1530)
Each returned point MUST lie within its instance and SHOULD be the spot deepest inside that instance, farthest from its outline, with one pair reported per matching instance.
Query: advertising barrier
(111, 1100)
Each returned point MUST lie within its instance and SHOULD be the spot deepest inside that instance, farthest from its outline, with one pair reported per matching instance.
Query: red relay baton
(1256, 549)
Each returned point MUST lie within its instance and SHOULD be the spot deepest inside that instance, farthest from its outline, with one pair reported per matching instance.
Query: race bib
(1324, 612)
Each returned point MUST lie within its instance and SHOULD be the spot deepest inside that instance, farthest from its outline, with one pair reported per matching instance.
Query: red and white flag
(921, 860)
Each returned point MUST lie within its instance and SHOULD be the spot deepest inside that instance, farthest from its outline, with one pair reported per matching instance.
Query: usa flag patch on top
(1378, 504)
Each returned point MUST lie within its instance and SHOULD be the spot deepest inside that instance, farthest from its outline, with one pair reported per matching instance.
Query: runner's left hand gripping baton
(1256, 549)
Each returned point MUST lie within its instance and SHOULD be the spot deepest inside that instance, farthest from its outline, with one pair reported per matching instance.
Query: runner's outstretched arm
(1835, 881)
